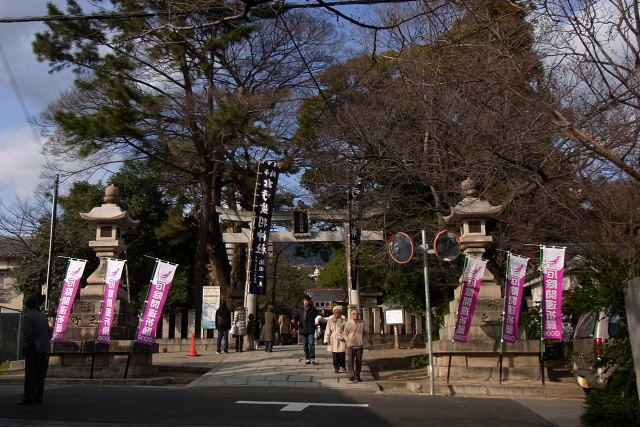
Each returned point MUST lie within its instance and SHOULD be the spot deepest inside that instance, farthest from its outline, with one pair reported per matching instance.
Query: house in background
(12, 251)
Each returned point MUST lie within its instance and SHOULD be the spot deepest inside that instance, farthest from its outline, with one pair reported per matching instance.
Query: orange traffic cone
(193, 352)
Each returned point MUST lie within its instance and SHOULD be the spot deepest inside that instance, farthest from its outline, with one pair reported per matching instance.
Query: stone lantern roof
(110, 212)
(472, 206)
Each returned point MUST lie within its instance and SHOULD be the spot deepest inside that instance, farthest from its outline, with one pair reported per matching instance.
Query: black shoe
(313, 362)
(358, 379)
(308, 362)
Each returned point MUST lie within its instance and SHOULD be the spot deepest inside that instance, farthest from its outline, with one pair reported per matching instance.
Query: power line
(16, 91)
(126, 15)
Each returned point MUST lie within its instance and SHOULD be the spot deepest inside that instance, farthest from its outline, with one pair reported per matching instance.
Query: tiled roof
(12, 247)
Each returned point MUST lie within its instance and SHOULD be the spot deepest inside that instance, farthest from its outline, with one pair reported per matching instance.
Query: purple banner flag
(513, 296)
(111, 285)
(263, 208)
(552, 277)
(67, 297)
(469, 297)
(160, 287)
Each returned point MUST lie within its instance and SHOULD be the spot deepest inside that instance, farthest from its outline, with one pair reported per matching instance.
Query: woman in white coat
(334, 338)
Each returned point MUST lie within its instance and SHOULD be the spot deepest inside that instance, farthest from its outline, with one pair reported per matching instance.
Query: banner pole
(52, 235)
(542, 299)
(427, 299)
(504, 309)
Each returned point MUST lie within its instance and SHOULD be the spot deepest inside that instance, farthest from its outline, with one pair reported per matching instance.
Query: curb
(484, 390)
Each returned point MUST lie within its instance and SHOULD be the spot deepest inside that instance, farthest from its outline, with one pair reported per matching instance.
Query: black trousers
(355, 362)
(239, 342)
(339, 360)
(35, 371)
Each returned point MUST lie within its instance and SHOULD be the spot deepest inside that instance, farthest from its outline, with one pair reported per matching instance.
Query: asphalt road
(261, 406)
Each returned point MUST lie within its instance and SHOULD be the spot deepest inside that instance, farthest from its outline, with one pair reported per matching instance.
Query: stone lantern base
(81, 357)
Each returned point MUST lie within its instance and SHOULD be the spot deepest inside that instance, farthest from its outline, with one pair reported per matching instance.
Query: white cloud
(22, 163)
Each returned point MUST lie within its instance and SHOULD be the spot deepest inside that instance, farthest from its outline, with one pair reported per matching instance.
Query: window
(586, 326)
(615, 326)
(475, 226)
(105, 231)
(4, 287)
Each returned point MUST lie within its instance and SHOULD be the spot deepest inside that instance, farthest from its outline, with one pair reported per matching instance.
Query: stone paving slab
(284, 367)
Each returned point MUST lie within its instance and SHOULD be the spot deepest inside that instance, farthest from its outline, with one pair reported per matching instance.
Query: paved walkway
(284, 367)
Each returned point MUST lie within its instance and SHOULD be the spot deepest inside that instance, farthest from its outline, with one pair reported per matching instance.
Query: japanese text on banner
(111, 285)
(160, 287)
(469, 297)
(513, 296)
(552, 278)
(264, 200)
(67, 297)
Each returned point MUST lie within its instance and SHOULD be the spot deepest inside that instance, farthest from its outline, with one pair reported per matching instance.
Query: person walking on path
(284, 328)
(223, 324)
(333, 335)
(306, 329)
(240, 325)
(355, 335)
(269, 329)
(36, 336)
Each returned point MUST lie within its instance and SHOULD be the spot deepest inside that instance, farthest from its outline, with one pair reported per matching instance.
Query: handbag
(234, 329)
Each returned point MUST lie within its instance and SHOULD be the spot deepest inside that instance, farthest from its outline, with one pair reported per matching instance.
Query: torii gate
(340, 235)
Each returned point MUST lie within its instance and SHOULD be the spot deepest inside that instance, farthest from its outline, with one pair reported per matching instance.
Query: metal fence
(10, 329)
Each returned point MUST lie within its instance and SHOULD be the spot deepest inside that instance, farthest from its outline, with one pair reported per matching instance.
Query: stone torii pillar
(340, 235)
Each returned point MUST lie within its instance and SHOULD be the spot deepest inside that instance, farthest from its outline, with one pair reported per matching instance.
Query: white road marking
(301, 406)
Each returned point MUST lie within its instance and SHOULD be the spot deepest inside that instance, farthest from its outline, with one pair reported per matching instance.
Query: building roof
(12, 247)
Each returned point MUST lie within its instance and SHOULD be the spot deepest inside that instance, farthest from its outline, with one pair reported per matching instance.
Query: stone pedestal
(88, 359)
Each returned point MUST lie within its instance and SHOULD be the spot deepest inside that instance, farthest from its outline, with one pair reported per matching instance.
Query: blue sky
(19, 151)
(23, 165)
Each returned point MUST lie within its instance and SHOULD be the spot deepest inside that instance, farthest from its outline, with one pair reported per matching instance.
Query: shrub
(616, 405)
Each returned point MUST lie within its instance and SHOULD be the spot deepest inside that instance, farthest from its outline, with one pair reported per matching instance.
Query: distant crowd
(344, 338)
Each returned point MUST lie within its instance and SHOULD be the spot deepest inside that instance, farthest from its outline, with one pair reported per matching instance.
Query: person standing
(253, 332)
(223, 324)
(36, 338)
(333, 335)
(284, 326)
(240, 323)
(306, 329)
(269, 329)
(355, 335)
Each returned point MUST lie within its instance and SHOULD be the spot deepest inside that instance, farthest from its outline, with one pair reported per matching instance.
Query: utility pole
(52, 233)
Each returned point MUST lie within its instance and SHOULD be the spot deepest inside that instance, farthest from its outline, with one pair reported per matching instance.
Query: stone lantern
(80, 356)
(473, 213)
(477, 359)
(111, 222)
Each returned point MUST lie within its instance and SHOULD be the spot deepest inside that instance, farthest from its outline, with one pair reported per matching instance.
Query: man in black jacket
(36, 337)
(223, 324)
(306, 318)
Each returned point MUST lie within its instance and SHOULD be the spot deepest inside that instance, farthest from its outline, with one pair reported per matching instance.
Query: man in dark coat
(306, 319)
(36, 338)
(223, 324)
